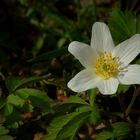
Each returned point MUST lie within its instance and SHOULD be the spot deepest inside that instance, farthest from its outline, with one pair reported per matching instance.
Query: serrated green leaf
(38, 98)
(13, 83)
(122, 128)
(76, 100)
(22, 93)
(58, 124)
(69, 131)
(15, 100)
(105, 135)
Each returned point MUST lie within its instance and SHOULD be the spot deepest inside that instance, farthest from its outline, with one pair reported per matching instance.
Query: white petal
(128, 50)
(83, 52)
(83, 81)
(101, 38)
(132, 76)
(109, 86)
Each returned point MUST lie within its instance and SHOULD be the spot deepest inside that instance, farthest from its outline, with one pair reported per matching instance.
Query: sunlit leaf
(77, 100)
(105, 135)
(15, 100)
(59, 123)
(70, 130)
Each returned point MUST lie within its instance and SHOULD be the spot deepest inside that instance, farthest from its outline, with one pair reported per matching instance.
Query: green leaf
(63, 108)
(13, 83)
(58, 125)
(61, 42)
(6, 137)
(122, 25)
(122, 128)
(49, 55)
(94, 116)
(39, 42)
(3, 130)
(13, 125)
(76, 100)
(91, 96)
(38, 98)
(15, 100)
(72, 127)
(13, 118)
(8, 109)
(27, 107)
(84, 108)
(105, 135)
(3, 134)
(22, 93)
(122, 88)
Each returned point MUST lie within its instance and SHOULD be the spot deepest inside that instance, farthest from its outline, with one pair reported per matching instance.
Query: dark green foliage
(4, 131)
(35, 66)
(123, 25)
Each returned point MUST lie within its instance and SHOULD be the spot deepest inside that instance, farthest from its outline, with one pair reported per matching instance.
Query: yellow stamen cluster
(106, 66)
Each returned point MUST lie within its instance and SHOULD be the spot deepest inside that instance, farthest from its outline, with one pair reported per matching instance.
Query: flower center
(107, 66)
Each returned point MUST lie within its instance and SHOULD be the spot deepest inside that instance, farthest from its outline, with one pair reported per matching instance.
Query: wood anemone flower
(105, 65)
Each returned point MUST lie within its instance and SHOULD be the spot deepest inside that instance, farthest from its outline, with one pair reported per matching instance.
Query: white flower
(105, 65)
